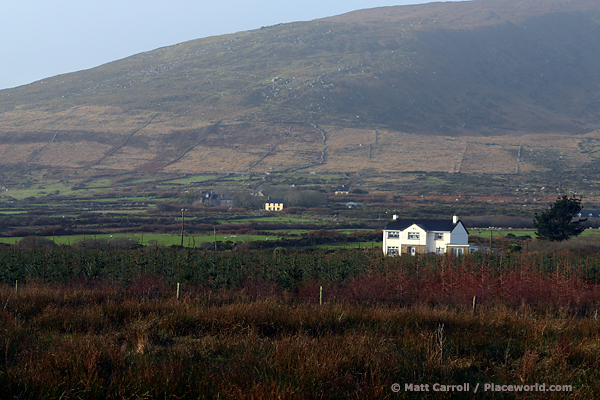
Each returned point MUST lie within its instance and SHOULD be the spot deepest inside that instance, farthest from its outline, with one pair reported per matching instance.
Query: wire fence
(319, 297)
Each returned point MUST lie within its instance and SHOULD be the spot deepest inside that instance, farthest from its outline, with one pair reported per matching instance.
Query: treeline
(540, 278)
(211, 269)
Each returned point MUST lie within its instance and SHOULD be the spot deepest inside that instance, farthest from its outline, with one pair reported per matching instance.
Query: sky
(44, 38)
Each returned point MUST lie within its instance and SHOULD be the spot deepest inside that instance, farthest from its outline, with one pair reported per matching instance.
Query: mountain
(467, 83)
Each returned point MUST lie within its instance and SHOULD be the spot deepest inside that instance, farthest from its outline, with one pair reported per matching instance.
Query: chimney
(395, 217)
(455, 219)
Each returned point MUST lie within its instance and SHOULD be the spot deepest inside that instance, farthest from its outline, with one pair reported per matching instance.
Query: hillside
(452, 87)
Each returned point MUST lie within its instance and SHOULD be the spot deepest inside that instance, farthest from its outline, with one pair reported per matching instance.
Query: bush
(35, 241)
(514, 248)
(120, 243)
(20, 233)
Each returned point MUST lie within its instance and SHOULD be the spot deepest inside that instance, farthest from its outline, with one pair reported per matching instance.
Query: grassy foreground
(105, 342)
(105, 323)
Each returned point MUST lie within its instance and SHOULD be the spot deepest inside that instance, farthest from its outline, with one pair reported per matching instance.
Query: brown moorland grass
(106, 324)
(239, 148)
(107, 342)
(18, 153)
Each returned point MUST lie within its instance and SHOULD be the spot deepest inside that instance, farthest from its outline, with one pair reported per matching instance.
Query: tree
(558, 222)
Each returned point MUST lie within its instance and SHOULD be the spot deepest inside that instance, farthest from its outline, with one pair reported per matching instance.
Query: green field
(149, 239)
(166, 239)
(485, 233)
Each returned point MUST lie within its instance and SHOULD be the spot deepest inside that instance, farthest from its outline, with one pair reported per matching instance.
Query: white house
(419, 236)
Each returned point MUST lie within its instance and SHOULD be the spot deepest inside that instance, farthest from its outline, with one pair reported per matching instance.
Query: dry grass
(179, 145)
(71, 154)
(96, 118)
(105, 342)
(255, 148)
(18, 153)
(393, 151)
(484, 158)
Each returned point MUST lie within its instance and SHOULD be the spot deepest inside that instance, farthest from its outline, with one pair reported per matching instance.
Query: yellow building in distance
(274, 204)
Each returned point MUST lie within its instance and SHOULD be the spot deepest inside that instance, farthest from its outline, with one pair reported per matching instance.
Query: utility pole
(182, 224)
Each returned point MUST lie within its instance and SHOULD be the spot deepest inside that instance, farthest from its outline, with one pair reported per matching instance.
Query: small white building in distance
(420, 236)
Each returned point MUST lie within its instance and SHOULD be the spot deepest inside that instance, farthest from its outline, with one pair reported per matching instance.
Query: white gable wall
(459, 235)
(414, 229)
(406, 238)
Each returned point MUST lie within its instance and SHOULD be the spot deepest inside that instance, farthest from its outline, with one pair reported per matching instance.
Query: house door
(412, 251)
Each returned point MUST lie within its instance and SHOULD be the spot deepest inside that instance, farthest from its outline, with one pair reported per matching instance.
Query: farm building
(345, 189)
(214, 199)
(420, 236)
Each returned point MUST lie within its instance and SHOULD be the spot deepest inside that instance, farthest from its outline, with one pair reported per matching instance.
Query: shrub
(35, 241)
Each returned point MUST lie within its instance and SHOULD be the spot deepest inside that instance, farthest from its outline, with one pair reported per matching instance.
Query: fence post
(177, 290)
(474, 305)
(321, 296)
(17, 287)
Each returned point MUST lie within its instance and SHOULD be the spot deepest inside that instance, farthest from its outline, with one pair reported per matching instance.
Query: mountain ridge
(460, 69)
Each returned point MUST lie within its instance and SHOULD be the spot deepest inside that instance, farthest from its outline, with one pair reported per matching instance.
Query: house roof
(270, 200)
(429, 225)
(588, 213)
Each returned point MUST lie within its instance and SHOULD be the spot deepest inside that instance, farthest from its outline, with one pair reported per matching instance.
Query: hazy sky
(43, 38)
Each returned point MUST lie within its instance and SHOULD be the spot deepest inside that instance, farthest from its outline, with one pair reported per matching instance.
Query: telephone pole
(182, 224)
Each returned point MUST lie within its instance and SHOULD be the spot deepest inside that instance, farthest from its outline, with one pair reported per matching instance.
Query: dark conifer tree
(559, 222)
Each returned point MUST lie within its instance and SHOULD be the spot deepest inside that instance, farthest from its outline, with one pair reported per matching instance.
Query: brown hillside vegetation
(92, 323)
(494, 87)
(259, 147)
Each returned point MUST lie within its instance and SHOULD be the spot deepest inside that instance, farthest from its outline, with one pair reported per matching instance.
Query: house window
(438, 236)
(458, 251)
(413, 235)
(392, 250)
(393, 235)
(439, 250)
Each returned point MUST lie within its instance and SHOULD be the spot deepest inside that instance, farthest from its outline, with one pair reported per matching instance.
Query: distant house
(226, 201)
(343, 189)
(420, 236)
(213, 199)
(588, 213)
(209, 198)
(352, 205)
(259, 191)
(274, 204)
